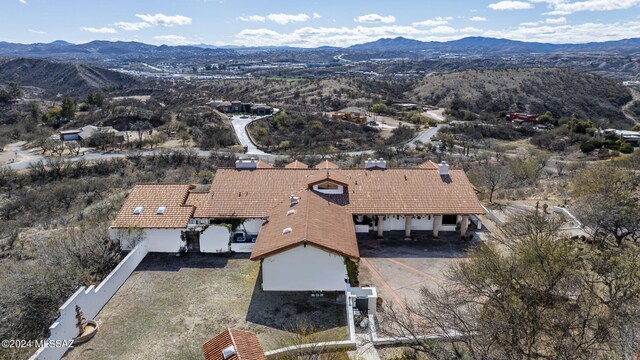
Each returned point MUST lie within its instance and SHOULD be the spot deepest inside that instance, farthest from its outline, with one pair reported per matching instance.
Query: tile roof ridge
(233, 342)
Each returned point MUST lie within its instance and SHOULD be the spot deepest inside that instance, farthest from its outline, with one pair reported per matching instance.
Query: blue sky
(315, 23)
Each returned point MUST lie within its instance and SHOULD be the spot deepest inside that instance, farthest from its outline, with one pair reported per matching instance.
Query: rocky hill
(63, 78)
(535, 90)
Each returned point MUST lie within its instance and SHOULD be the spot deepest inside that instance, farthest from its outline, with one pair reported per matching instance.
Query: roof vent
(443, 168)
(161, 210)
(228, 352)
(291, 212)
(138, 210)
(286, 231)
(372, 164)
(247, 163)
(294, 200)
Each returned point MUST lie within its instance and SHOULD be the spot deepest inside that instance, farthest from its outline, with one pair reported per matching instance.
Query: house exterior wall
(304, 268)
(214, 239)
(156, 240)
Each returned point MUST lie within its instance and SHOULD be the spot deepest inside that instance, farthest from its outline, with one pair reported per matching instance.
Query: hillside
(62, 78)
(562, 91)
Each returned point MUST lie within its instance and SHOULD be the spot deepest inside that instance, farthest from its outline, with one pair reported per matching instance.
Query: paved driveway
(399, 269)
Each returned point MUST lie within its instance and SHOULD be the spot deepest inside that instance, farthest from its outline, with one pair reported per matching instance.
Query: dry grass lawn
(171, 305)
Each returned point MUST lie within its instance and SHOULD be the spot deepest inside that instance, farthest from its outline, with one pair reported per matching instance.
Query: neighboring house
(242, 107)
(70, 135)
(632, 137)
(303, 218)
(87, 132)
(233, 344)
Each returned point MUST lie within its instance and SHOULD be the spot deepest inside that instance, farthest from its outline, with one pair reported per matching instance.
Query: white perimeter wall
(157, 240)
(91, 300)
(214, 239)
(304, 269)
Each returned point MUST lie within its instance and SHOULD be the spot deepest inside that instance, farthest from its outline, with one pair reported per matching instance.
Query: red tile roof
(428, 165)
(151, 197)
(252, 194)
(313, 221)
(245, 343)
(296, 165)
(325, 165)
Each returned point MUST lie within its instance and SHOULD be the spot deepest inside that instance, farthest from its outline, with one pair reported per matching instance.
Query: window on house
(328, 186)
(449, 219)
(138, 210)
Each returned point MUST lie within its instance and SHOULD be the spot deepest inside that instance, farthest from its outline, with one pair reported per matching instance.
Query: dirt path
(635, 96)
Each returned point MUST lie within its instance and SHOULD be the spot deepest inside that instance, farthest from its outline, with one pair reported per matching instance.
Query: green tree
(68, 109)
(15, 91)
(379, 108)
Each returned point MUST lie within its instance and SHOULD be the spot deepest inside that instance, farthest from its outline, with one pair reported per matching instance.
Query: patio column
(380, 226)
(407, 227)
(464, 224)
(437, 222)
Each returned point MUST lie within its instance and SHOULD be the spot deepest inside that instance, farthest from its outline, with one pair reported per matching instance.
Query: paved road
(426, 135)
(240, 127)
(28, 157)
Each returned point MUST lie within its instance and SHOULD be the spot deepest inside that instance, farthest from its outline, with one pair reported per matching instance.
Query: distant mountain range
(484, 45)
(466, 46)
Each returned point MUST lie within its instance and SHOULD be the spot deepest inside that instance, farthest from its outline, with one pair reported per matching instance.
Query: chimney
(294, 200)
(443, 168)
(372, 164)
(247, 163)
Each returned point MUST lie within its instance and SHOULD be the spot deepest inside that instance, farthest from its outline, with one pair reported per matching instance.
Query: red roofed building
(233, 344)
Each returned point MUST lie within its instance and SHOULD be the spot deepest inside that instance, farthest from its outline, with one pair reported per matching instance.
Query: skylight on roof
(161, 210)
(138, 210)
(286, 231)
(291, 212)
(228, 352)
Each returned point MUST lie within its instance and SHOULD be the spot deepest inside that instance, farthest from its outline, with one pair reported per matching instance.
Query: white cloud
(283, 19)
(438, 21)
(102, 30)
(132, 26)
(530, 23)
(580, 33)
(375, 18)
(164, 20)
(253, 18)
(345, 36)
(565, 7)
(556, 21)
(37, 32)
(23, 1)
(478, 18)
(511, 5)
(174, 40)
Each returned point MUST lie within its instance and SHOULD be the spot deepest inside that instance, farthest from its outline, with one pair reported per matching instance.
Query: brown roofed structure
(326, 165)
(264, 165)
(148, 199)
(430, 165)
(312, 221)
(246, 346)
(252, 194)
(296, 165)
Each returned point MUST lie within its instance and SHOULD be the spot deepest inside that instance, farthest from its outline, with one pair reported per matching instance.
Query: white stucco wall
(214, 239)
(156, 240)
(304, 269)
(393, 223)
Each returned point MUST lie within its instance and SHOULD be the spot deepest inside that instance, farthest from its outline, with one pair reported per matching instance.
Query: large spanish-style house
(300, 223)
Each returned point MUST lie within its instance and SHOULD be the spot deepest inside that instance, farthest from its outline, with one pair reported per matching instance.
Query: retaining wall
(91, 300)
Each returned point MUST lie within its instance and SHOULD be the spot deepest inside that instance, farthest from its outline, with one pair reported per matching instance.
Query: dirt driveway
(171, 305)
(399, 269)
